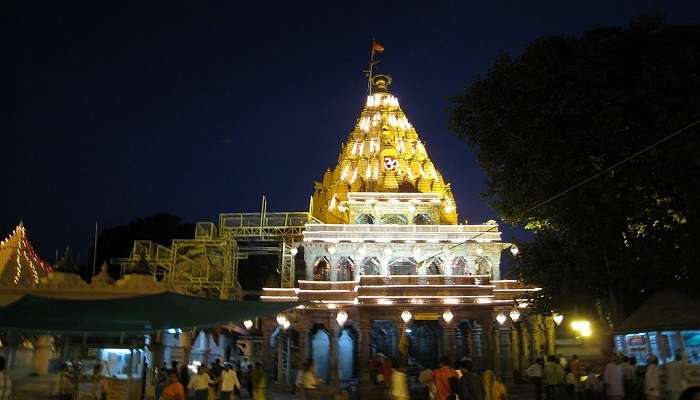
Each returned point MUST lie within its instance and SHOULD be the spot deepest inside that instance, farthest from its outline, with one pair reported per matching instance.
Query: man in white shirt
(229, 382)
(5, 382)
(674, 377)
(614, 379)
(199, 383)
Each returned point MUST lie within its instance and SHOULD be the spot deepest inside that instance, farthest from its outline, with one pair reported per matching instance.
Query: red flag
(376, 47)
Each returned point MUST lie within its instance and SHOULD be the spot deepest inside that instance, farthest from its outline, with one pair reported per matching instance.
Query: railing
(239, 220)
(402, 232)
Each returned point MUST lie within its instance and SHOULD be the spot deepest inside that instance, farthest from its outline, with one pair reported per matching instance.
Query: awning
(665, 310)
(131, 314)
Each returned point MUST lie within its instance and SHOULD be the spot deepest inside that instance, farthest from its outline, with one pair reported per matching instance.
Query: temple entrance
(346, 354)
(425, 342)
(320, 351)
(346, 269)
(385, 339)
(322, 269)
(283, 346)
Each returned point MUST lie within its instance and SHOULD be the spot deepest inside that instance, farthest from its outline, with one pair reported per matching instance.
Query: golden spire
(383, 153)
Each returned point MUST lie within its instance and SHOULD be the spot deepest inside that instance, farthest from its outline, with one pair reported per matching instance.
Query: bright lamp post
(341, 317)
(406, 316)
(447, 316)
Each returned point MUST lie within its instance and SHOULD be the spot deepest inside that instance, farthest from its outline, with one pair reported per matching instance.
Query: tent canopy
(131, 314)
(666, 310)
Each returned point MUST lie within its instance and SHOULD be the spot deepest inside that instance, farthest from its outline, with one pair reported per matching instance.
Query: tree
(118, 241)
(565, 110)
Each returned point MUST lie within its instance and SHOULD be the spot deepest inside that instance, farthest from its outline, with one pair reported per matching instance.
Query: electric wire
(577, 185)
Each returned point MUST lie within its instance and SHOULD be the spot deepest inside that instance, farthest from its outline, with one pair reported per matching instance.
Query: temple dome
(383, 153)
(19, 263)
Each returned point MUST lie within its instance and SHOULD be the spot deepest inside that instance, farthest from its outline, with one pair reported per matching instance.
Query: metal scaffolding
(207, 265)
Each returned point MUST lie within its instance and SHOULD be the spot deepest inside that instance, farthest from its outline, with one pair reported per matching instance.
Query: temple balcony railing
(401, 233)
(431, 280)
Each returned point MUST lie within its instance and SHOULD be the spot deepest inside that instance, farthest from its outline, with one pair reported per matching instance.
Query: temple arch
(403, 266)
(436, 267)
(346, 269)
(320, 350)
(322, 269)
(483, 266)
(459, 266)
(370, 266)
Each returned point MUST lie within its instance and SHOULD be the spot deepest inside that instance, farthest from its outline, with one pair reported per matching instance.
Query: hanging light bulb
(341, 317)
(514, 250)
(515, 315)
(388, 250)
(479, 251)
(447, 316)
(280, 319)
(558, 318)
(286, 325)
(501, 318)
(331, 249)
(406, 316)
(248, 324)
(294, 251)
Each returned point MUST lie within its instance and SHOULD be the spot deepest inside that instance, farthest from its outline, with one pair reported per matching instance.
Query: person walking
(469, 385)
(652, 380)
(229, 383)
(553, 378)
(629, 375)
(576, 367)
(199, 383)
(534, 372)
(399, 384)
(310, 381)
(570, 383)
(674, 377)
(5, 382)
(174, 390)
(614, 379)
(259, 380)
(441, 377)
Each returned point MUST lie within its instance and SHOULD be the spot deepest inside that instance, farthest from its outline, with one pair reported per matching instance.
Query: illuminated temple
(384, 266)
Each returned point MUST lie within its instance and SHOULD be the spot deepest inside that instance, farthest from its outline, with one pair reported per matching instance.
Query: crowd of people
(446, 382)
(621, 378)
(218, 382)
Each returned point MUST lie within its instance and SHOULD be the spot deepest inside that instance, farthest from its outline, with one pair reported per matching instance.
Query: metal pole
(94, 252)
(371, 64)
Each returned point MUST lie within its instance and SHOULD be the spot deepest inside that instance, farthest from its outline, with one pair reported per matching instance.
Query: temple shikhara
(388, 269)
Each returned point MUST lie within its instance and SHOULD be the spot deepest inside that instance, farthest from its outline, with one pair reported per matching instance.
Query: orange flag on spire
(376, 47)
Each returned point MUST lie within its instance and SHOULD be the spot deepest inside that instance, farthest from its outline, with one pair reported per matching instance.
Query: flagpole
(371, 64)
(94, 252)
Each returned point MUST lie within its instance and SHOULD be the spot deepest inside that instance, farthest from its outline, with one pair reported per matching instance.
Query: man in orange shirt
(441, 377)
(174, 390)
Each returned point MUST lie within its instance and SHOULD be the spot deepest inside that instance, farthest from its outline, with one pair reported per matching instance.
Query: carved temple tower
(387, 268)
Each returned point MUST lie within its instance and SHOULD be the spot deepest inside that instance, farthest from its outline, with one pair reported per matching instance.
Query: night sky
(124, 110)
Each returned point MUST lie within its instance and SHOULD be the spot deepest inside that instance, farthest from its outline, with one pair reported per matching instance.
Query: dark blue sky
(196, 108)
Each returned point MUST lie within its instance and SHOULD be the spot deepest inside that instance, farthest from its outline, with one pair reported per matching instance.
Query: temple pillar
(515, 350)
(333, 261)
(526, 352)
(448, 338)
(506, 353)
(333, 332)
(477, 345)
(303, 327)
(364, 339)
(157, 349)
(42, 354)
(384, 261)
(496, 349)
(186, 344)
(267, 328)
(487, 348)
(309, 257)
(550, 336)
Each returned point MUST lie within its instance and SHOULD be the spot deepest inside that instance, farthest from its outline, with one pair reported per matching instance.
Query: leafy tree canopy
(565, 110)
